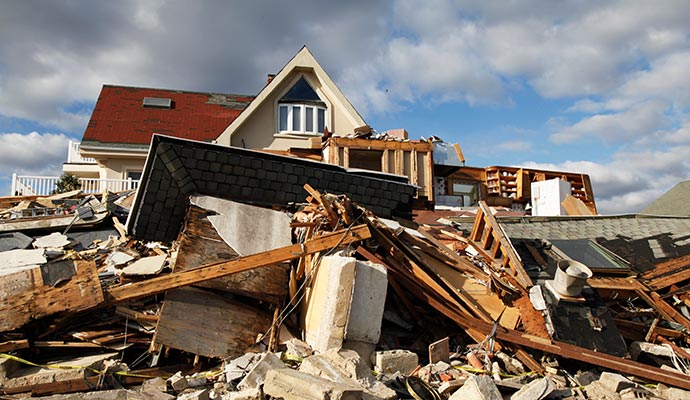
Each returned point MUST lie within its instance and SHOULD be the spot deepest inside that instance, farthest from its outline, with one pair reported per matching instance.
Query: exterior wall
(260, 130)
(117, 168)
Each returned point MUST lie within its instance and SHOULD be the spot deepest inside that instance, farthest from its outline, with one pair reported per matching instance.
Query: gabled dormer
(293, 109)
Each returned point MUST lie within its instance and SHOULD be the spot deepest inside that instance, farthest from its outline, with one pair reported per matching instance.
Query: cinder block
(615, 382)
(392, 361)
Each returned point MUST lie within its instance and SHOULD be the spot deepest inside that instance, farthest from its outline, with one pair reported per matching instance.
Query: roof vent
(157, 102)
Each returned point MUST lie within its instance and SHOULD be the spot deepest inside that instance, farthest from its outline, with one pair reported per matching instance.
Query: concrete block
(237, 368)
(328, 302)
(535, 390)
(257, 375)
(392, 361)
(155, 389)
(295, 385)
(178, 382)
(347, 368)
(477, 387)
(368, 302)
(596, 390)
(615, 382)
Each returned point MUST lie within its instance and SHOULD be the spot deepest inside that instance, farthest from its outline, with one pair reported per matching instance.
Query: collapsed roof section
(176, 168)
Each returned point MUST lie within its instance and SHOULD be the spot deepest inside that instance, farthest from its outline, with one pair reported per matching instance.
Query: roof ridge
(178, 90)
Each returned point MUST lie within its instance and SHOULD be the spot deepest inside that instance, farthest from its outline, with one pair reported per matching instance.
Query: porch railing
(73, 156)
(24, 185)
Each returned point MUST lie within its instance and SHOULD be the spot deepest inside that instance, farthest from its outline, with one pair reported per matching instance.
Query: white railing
(73, 156)
(44, 185)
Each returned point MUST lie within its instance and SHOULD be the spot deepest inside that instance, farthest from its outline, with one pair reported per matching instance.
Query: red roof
(119, 116)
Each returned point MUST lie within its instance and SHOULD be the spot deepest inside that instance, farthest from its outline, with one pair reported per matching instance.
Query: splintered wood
(25, 295)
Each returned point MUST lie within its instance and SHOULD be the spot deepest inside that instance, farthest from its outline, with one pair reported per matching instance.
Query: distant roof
(120, 117)
(673, 202)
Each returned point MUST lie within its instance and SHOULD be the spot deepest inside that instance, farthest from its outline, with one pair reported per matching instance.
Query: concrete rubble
(324, 300)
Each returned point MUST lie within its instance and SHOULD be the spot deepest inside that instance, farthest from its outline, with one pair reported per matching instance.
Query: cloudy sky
(599, 87)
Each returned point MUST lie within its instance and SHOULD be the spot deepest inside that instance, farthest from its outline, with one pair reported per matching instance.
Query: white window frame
(303, 116)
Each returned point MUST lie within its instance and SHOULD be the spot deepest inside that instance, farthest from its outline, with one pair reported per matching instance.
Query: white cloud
(33, 154)
(640, 120)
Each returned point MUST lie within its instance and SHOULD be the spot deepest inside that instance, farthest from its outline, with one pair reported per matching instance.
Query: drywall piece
(119, 257)
(54, 240)
(145, 266)
(289, 384)
(479, 387)
(19, 260)
(548, 195)
(262, 229)
(368, 302)
(328, 302)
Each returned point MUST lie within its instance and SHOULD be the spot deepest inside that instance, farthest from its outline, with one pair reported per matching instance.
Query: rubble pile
(326, 300)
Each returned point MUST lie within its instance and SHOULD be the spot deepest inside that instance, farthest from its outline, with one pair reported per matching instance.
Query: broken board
(54, 287)
(204, 323)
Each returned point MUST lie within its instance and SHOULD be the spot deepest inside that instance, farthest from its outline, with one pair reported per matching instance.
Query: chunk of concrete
(368, 302)
(477, 387)
(392, 361)
(273, 231)
(54, 240)
(672, 393)
(328, 302)
(199, 394)
(347, 368)
(145, 266)
(615, 382)
(536, 390)
(237, 368)
(257, 375)
(155, 389)
(178, 382)
(249, 394)
(289, 384)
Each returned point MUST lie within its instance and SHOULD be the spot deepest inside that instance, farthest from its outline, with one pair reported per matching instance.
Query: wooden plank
(530, 363)
(382, 144)
(574, 206)
(459, 262)
(478, 226)
(24, 295)
(11, 345)
(204, 323)
(662, 306)
(200, 244)
(458, 151)
(613, 283)
(160, 284)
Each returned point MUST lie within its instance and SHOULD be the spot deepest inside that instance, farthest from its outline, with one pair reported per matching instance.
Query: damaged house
(277, 247)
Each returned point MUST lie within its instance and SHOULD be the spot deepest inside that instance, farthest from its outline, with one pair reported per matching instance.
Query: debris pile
(326, 300)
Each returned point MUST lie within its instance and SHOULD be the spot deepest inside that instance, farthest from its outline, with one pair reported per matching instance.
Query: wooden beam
(163, 283)
(11, 345)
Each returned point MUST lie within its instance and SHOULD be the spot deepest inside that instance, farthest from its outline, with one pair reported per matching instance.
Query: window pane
(283, 124)
(296, 118)
(321, 123)
(309, 119)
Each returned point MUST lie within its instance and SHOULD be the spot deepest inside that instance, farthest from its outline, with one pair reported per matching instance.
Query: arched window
(301, 110)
